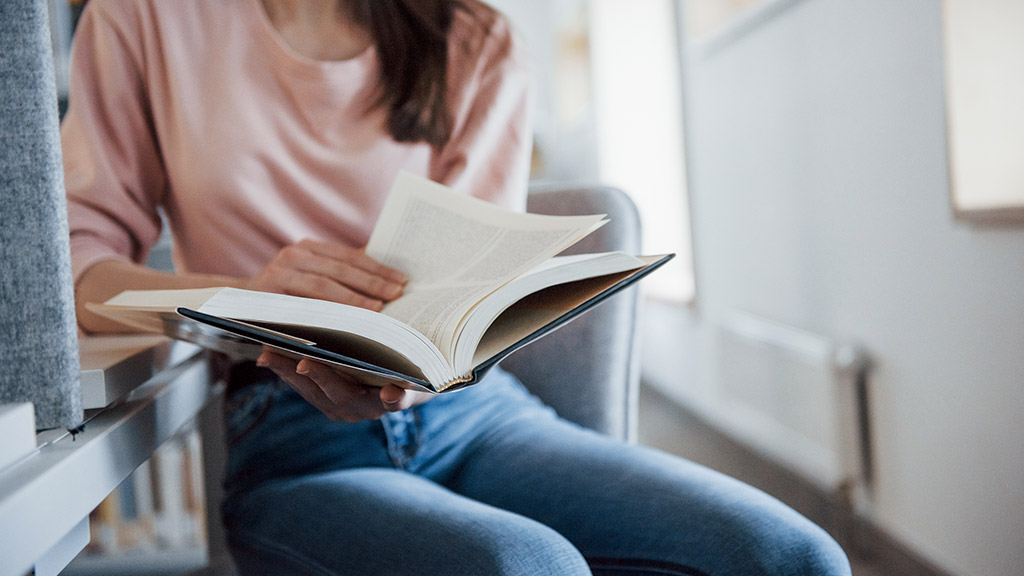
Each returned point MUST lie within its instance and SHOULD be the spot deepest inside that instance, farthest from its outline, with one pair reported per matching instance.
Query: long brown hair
(411, 37)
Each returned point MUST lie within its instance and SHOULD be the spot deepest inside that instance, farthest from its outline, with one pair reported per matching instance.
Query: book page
(456, 249)
(372, 337)
(540, 308)
(553, 272)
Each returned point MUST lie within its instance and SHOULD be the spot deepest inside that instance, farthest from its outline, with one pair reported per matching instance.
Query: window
(609, 108)
(984, 91)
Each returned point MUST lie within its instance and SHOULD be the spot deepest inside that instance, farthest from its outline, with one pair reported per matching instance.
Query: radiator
(797, 397)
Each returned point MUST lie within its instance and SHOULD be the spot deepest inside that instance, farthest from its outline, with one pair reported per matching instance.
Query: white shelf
(46, 495)
(17, 432)
(113, 366)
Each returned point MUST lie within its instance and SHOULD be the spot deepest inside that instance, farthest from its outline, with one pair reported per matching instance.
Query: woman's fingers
(330, 272)
(396, 399)
(357, 258)
(361, 402)
(285, 368)
(344, 266)
(350, 267)
(392, 397)
(337, 397)
(311, 285)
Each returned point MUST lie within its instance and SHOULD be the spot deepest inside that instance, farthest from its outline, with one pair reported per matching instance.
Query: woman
(268, 132)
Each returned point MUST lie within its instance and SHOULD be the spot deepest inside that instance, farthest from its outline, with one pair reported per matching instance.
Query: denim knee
(522, 549)
(799, 550)
(818, 553)
(519, 549)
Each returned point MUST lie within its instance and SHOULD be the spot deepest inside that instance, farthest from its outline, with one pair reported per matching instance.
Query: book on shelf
(113, 366)
(483, 281)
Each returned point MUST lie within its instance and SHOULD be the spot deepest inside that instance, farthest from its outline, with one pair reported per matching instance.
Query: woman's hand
(329, 272)
(340, 274)
(339, 396)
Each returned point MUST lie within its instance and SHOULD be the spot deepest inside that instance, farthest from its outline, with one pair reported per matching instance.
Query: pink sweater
(198, 107)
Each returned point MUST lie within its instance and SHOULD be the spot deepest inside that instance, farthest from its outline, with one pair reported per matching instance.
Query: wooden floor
(665, 425)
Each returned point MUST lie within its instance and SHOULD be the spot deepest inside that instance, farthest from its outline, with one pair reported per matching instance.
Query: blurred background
(843, 183)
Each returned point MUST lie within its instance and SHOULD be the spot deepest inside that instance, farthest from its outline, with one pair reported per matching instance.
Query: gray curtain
(38, 338)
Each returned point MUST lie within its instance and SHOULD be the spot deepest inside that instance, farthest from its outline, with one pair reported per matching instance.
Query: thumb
(392, 397)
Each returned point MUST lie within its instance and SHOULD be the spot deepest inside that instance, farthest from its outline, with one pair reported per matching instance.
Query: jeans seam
(399, 452)
(256, 420)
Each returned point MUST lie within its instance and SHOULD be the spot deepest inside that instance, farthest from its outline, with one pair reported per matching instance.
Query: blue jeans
(488, 481)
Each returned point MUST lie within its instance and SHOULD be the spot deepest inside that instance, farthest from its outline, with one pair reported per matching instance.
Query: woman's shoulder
(141, 16)
(123, 12)
(480, 31)
(158, 29)
(116, 13)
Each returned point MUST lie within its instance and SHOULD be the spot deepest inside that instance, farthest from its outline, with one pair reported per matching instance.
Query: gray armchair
(588, 371)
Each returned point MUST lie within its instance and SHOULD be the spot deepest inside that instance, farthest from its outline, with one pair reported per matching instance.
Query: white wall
(820, 195)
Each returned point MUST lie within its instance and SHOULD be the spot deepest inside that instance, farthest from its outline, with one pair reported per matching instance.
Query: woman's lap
(629, 506)
(385, 521)
(487, 477)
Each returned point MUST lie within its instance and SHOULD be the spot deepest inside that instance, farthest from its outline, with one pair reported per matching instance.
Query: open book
(483, 282)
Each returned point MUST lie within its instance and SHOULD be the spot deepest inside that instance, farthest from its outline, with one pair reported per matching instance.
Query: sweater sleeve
(112, 165)
(488, 154)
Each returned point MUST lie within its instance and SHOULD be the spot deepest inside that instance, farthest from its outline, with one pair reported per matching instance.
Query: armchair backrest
(588, 370)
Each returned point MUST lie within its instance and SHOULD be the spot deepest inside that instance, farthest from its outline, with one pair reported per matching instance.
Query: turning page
(456, 249)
